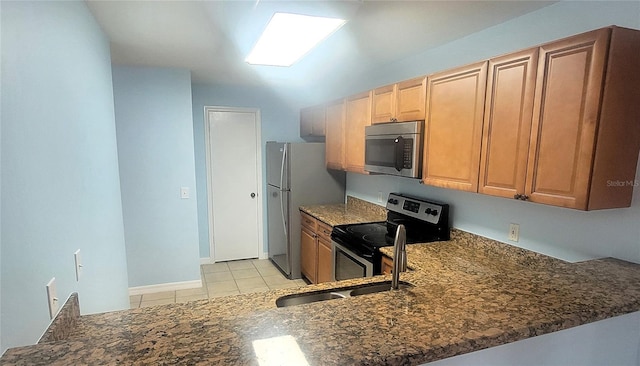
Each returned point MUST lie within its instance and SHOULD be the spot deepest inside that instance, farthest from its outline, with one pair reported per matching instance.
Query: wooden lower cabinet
(325, 261)
(308, 254)
(386, 265)
(316, 259)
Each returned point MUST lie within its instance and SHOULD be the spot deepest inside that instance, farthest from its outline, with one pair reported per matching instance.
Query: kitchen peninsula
(469, 293)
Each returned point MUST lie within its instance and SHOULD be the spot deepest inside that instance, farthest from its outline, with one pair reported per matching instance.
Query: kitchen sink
(338, 293)
(377, 287)
(299, 299)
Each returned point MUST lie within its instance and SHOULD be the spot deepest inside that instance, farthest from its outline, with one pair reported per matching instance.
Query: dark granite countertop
(469, 293)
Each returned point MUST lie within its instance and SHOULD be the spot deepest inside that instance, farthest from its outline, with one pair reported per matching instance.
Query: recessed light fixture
(288, 37)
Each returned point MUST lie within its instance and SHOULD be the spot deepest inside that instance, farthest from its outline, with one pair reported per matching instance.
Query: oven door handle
(399, 163)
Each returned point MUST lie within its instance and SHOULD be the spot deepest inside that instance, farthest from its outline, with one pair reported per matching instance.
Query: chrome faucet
(399, 256)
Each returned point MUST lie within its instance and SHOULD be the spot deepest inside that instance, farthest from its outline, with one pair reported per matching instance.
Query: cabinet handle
(524, 197)
(517, 196)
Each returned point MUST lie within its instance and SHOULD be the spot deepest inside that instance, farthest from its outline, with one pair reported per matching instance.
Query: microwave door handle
(399, 163)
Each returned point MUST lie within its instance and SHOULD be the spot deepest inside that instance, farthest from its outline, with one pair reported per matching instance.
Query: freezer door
(278, 231)
(277, 164)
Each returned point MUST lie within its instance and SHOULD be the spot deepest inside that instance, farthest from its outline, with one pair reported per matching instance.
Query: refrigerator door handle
(284, 158)
(284, 222)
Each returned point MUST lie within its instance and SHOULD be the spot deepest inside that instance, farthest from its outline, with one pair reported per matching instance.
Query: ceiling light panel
(288, 37)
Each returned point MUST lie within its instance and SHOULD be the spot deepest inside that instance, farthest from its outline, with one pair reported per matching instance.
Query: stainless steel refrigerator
(296, 176)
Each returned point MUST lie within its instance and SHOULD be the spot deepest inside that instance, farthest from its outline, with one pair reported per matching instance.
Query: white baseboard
(206, 260)
(264, 255)
(171, 286)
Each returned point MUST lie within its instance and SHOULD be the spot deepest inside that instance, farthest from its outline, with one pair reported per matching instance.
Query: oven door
(347, 265)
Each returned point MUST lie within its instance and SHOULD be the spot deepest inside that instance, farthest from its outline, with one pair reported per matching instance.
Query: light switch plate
(52, 297)
(78, 262)
(514, 232)
(184, 192)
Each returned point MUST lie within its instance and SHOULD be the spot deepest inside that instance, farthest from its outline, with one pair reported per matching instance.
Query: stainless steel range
(356, 246)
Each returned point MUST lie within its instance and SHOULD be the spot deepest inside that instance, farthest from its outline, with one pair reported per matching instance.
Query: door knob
(253, 195)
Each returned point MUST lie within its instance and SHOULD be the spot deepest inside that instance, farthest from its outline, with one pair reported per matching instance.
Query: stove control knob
(434, 212)
(393, 201)
(428, 211)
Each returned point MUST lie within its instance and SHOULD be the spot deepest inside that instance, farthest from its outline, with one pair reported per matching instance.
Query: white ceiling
(212, 38)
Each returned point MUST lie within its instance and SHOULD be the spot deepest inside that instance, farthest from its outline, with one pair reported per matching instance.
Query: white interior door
(234, 178)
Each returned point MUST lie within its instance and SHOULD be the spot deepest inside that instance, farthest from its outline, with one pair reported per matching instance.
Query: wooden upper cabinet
(312, 121)
(585, 134)
(411, 99)
(400, 102)
(358, 115)
(335, 117)
(564, 127)
(383, 104)
(453, 128)
(507, 123)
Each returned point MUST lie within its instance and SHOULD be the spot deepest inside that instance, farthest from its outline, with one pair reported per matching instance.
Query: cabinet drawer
(308, 221)
(324, 231)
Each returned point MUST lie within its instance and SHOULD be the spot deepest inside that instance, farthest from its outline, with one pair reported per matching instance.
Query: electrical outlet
(184, 192)
(78, 262)
(52, 297)
(514, 232)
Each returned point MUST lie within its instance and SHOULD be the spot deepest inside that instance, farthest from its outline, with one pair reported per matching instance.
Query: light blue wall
(60, 183)
(280, 122)
(1, 348)
(155, 150)
(563, 233)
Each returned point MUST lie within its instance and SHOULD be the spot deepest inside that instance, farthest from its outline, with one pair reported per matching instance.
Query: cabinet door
(308, 254)
(507, 124)
(325, 261)
(567, 100)
(453, 133)
(386, 265)
(410, 100)
(334, 146)
(383, 104)
(358, 116)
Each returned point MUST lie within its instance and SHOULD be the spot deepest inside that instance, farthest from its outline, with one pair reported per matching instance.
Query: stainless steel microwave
(394, 148)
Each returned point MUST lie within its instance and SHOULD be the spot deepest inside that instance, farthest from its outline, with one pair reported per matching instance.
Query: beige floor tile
(191, 292)
(135, 298)
(188, 298)
(262, 263)
(159, 295)
(252, 290)
(134, 304)
(301, 282)
(270, 271)
(215, 267)
(290, 284)
(245, 273)
(223, 294)
(244, 264)
(224, 286)
(145, 304)
(250, 283)
(218, 277)
(276, 280)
